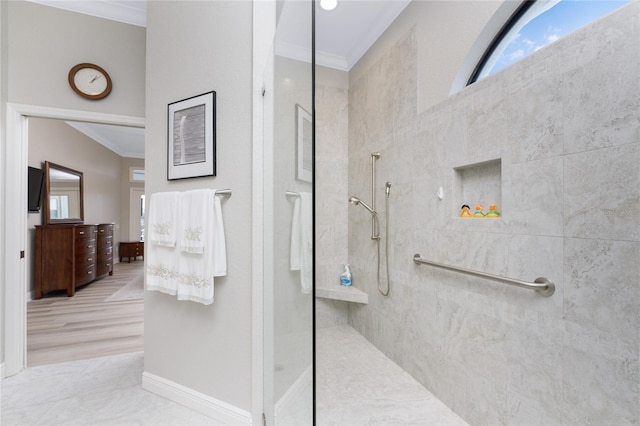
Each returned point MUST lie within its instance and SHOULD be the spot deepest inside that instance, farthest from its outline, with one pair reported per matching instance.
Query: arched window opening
(534, 25)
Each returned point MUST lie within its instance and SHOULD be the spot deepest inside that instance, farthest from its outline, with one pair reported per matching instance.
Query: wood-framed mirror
(63, 194)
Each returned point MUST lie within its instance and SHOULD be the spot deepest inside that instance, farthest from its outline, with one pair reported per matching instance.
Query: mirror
(63, 194)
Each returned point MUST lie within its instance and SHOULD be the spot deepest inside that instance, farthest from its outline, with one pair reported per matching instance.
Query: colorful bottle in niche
(465, 211)
(345, 277)
(493, 211)
(478, 212)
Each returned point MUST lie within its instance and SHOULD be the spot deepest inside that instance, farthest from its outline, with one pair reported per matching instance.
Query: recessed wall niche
(479, 183)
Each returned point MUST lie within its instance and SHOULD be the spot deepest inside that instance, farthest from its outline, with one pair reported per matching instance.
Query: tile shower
(560, 133)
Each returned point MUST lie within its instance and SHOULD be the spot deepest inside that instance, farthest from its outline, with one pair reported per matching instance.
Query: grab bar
(542, 285)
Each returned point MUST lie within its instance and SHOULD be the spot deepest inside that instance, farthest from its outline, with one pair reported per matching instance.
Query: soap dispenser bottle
(345, 277)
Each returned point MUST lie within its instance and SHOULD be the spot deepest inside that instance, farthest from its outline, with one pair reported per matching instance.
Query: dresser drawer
(86, 274)
(85, 246)
(85, 232)
(105, 251)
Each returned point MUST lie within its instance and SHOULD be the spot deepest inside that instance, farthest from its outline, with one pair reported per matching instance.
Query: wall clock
(90, 81)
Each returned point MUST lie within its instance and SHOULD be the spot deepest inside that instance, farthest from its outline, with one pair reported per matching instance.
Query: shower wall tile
(535, 197)
(534, 120)
(331, 313)
(564, 123)
(598, 271)
(599, 390)
(601, 197)
(600, 106)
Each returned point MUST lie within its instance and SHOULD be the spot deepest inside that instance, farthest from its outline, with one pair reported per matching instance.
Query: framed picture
(192, 137)
(304, 150)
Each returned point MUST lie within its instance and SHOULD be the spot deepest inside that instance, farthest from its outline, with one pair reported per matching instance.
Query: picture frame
(192, 137)
(304, 145)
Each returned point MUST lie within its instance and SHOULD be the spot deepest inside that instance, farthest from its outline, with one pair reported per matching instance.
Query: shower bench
(346, 294)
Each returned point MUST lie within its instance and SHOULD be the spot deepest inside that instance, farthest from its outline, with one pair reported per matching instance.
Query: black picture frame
(191, 137)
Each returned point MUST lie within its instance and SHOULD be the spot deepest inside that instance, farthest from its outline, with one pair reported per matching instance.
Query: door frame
(134, 219)
(15, 218)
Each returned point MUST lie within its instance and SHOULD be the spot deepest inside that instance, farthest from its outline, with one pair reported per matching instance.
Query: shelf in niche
(479, 183)
(346, 294)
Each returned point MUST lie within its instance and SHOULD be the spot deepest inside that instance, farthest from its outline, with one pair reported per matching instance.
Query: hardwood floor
(87, 325)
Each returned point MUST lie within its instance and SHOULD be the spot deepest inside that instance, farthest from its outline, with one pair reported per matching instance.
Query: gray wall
(192, 48)
(564, 125)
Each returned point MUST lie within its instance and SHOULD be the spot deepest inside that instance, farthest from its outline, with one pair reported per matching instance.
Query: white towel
(301, 255)
(295, 252)
(193, 224)
(163, 218)
(195, 278)
(196, 271)
(161, 268)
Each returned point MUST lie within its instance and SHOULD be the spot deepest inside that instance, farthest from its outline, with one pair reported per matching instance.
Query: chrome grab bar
(542, 285)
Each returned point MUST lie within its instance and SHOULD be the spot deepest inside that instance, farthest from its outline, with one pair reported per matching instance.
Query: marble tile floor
(358, 385)
(98, 391)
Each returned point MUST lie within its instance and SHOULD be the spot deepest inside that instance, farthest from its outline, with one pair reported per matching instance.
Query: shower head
(387, 188)
(356, 201)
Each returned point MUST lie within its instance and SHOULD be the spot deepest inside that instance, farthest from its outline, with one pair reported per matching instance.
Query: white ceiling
(343, 35)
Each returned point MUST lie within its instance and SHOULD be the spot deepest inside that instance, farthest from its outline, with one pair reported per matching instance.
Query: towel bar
(291, 194)
(224, 193)
(542, 285)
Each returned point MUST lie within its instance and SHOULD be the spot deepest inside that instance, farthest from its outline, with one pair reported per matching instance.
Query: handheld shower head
(356, 201)
(387, 188)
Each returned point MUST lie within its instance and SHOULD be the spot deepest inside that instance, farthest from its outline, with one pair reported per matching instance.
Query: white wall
(192, 48)
(39, 61)
(564, 123)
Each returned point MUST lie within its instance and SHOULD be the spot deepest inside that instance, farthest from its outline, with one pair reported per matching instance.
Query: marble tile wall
(332, 168)
(566, 125)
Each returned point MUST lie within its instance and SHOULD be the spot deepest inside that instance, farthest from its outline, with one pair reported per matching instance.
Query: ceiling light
(328, 4)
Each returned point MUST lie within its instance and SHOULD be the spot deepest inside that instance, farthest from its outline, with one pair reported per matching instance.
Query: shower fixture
(356, 201)
(375, 235)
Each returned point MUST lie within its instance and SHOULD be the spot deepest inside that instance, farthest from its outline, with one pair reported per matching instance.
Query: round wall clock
(90, 81)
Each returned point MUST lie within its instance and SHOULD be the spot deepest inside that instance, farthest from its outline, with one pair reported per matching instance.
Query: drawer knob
(81, 232)
(89, 272)
(89, 259)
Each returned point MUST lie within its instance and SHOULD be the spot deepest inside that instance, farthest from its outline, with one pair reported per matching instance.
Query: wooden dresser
(131, 249)
(68, 256)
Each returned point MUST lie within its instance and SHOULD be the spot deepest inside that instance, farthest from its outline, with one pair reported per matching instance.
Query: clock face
(90, 81)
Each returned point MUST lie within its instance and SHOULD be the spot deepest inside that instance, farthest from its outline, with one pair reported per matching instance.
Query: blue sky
(562, 19)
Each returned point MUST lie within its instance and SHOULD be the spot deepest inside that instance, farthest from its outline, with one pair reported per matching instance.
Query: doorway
(15, 242)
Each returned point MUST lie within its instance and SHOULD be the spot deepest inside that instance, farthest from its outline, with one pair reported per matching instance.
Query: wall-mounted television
(36, 186)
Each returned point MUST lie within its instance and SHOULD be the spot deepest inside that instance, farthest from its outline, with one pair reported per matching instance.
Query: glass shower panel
(288, 211)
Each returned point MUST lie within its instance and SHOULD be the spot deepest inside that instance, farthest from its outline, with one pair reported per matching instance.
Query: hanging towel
(301, 255)
(163, 217)
(219, 241)
(195, 278)
(196, 271)
(161, 269)
(296, 237)
(193, 226)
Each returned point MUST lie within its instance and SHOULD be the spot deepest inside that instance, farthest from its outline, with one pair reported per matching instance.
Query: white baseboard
(220, 411)
(292, 395)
